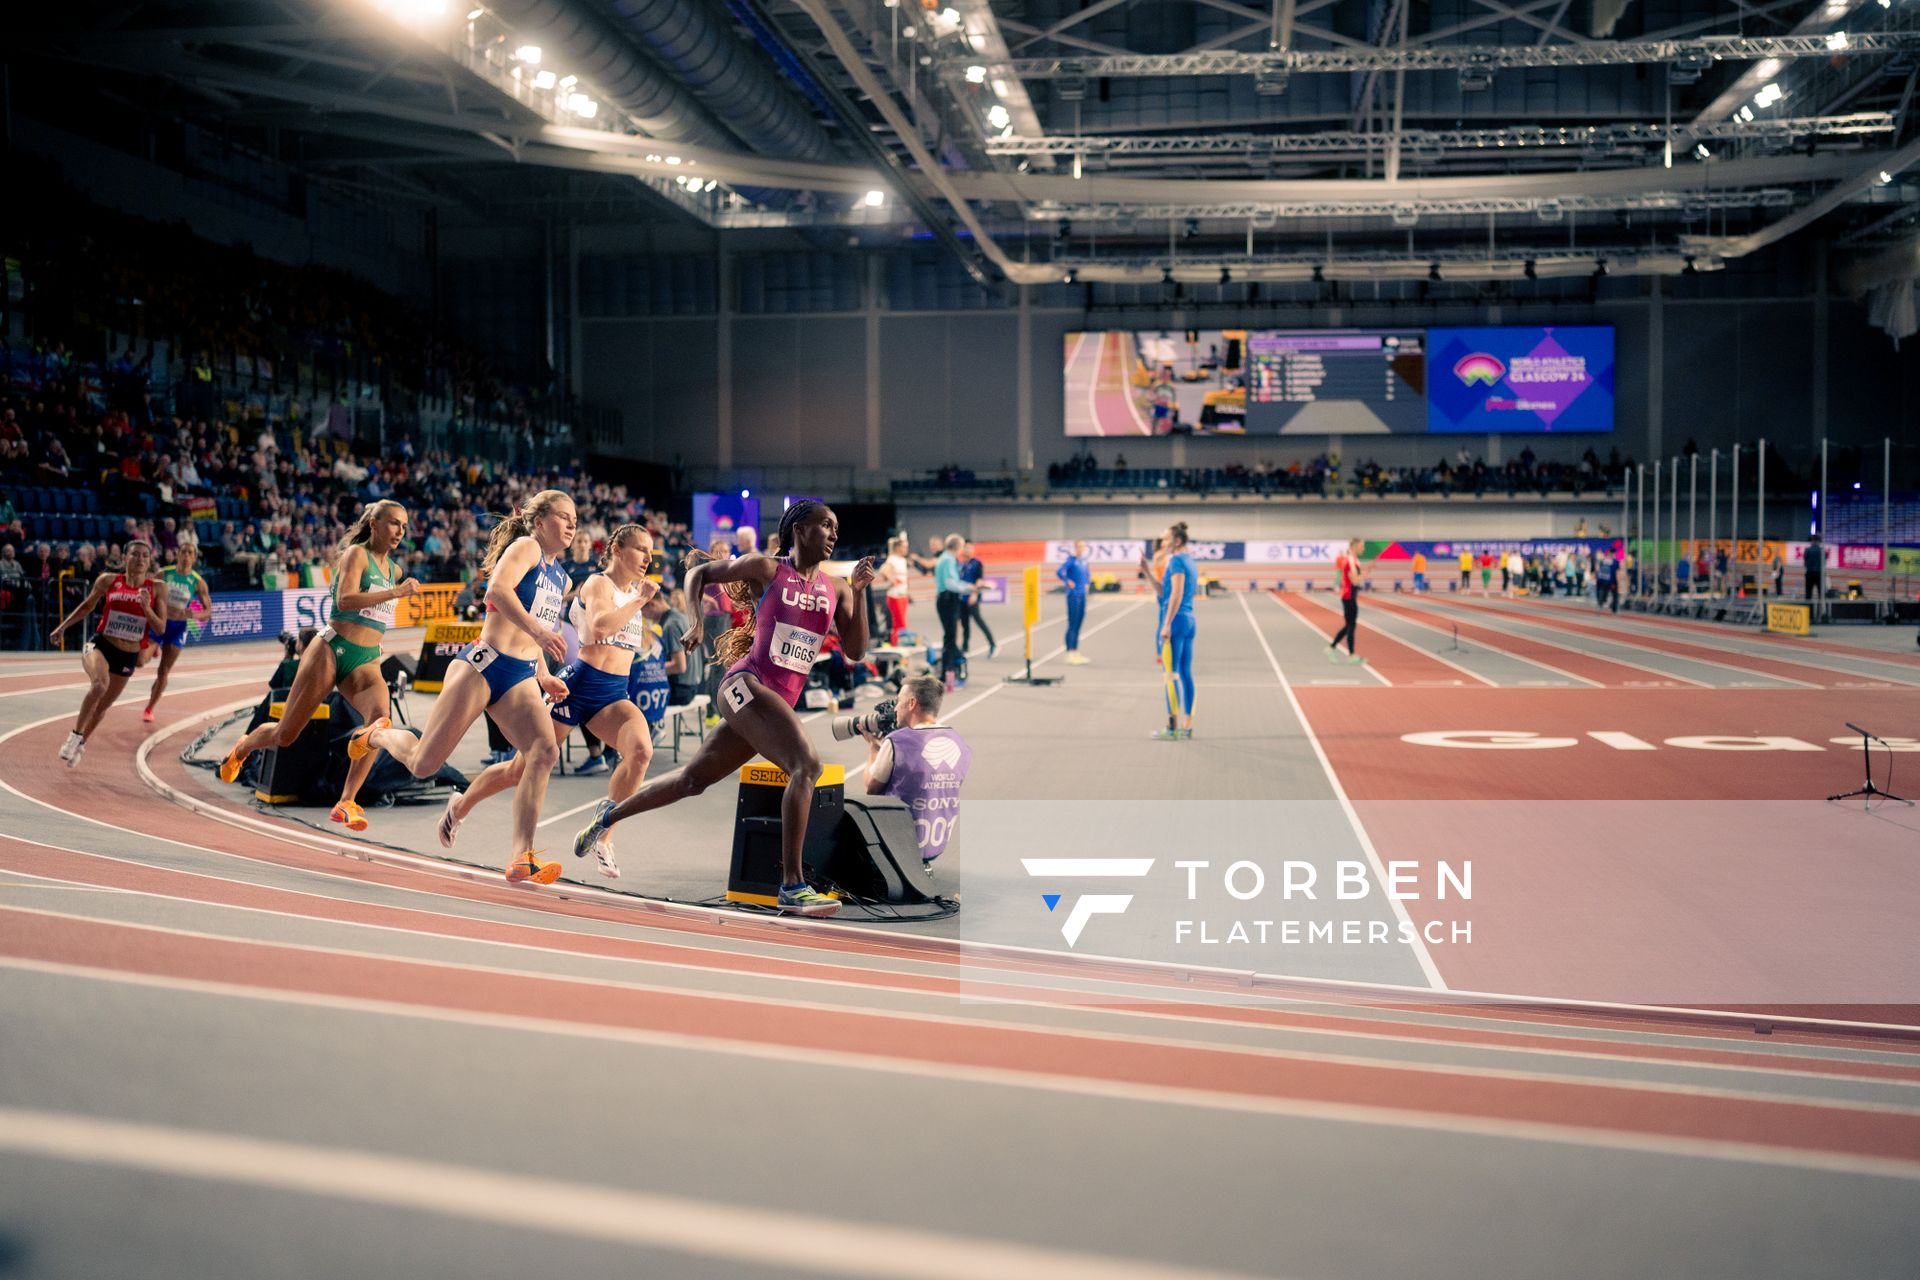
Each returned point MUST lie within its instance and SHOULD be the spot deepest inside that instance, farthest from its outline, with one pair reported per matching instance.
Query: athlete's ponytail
(509, 529)
(362, 530)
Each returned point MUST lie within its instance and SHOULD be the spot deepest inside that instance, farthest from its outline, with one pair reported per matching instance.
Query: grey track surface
(706, 1106)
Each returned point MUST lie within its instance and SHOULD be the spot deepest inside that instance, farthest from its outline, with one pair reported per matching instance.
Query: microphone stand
(1868, 791)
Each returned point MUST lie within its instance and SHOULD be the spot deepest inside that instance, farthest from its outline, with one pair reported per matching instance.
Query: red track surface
(1558, 621)
(51, 863)
(1561, 658)
(1633, 896)
(1393, 658)
(1647, 876)
(1363, 737)
(1619, 1109)
(1785, 642)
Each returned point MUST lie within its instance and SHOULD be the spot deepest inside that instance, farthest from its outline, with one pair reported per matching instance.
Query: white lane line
(974, 1019)
(575, 891)
(180, 681)
(1491, 1046)
(1167, 1095)
(1314, 599)
(283, 833)
(1567, 629)
(1506, 627)
(1505, 653)
(1744, 646)
(1427, 966)
(755, 1235)
(1306, 622)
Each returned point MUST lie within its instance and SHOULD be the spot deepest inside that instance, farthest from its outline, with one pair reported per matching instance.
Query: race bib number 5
(792, 648)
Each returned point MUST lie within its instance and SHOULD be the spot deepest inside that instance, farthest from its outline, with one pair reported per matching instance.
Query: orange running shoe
(357, 743)
(351, 814)
(528, 866)
(230, 767)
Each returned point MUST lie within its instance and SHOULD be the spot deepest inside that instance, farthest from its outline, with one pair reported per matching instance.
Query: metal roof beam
(1519, 138)
(1546, 27)
(1355, 57)
(1417, 206)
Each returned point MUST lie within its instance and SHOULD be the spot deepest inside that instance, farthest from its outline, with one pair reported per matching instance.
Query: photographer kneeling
(924, 763)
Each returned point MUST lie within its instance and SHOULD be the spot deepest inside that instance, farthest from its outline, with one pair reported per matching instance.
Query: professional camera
(879, 722)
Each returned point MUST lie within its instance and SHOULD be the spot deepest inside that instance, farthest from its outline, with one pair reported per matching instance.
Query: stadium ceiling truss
(1696, 53)
(1546, 209)
(1434, 141)
(968, 118)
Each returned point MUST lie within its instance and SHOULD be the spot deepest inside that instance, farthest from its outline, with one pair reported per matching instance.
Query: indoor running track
(231, 1051)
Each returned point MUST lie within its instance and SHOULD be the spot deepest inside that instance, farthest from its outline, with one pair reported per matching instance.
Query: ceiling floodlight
(529, 54)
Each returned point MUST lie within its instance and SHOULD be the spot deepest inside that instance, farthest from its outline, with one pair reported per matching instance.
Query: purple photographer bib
(929, 767)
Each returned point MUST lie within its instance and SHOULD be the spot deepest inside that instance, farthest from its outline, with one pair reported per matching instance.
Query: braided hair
(620, 537)
(736, 642)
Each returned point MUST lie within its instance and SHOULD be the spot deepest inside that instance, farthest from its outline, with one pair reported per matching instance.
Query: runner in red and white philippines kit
(131, 607)
(1348, 569)
(794, 602)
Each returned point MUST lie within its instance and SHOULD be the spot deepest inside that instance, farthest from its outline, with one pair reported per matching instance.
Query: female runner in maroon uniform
(133, 607)
(792, 604)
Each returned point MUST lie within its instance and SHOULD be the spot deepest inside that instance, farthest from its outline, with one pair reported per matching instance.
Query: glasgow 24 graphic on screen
(1556, 378)
(1340, 382)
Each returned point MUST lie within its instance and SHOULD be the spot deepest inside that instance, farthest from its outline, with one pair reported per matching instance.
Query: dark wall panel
(766, 393)
(686, 397)
(617, 360)
(913, 383)
(983, 390)
(832, 404)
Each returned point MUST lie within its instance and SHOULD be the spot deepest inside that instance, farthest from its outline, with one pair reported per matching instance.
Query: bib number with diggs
(792, 647)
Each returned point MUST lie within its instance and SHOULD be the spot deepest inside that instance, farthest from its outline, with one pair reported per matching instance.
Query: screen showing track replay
(1339, 381)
